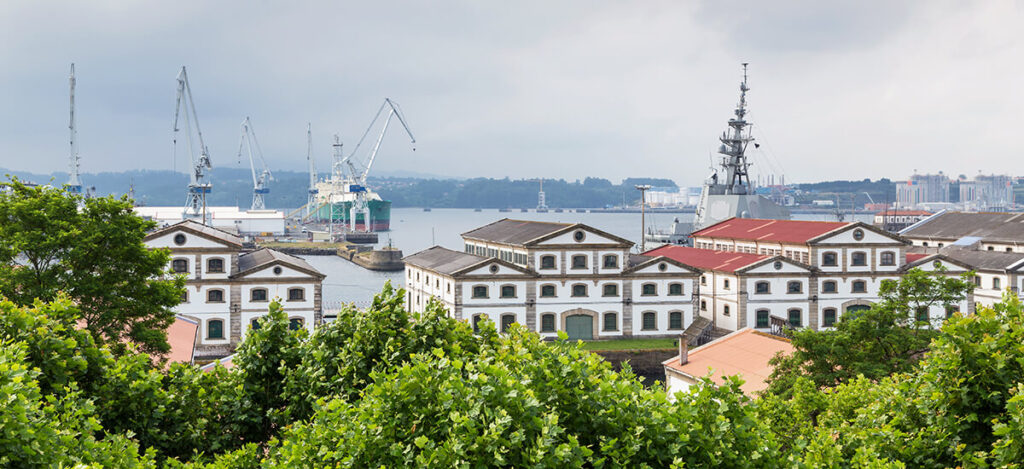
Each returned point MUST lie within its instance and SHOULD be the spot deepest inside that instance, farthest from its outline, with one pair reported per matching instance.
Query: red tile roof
(181, 335)
(707, 259)
(782, 231)
(745, 353)
(916, 256)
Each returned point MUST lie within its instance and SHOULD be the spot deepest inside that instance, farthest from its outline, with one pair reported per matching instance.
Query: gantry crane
(263, 177)
(198, 186)
(358, 170)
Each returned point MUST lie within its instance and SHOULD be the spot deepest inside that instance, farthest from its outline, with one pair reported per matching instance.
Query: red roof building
(704, 259)
(779, 231)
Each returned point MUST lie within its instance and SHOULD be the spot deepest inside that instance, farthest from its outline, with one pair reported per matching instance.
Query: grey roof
(1001, 227)
(263, 257)
(510, 231)
(637, 259)
(198, 228)
(983, 260)
(442, 260)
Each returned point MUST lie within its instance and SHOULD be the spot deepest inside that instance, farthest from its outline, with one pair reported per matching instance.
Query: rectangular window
(547, 262)
(828, 286)
(675, 289)
(547, 323)
(180, 266)
(829, 317)
(611, 322)
(547, 291)
(725, 310)
(611, 261)
(762, 319)
(761, 288)
(479, 291)
(829, 259)
(508, 291)
(795, 318)
(675, 320)
(922, 313)
(649, 289)
(650, 321)
(859, 259)
(610, 289)
(579, 262)
(859, 286)
(507, 321)
(296, 294)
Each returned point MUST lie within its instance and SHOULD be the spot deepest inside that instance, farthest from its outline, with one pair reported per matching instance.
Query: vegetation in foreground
(383, 387)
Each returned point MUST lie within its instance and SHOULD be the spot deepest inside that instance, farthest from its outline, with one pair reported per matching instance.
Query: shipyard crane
(74, 184)
(260, 179)
(357, 174)
(198, 186)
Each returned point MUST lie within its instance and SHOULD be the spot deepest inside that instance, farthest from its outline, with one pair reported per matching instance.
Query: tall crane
(74, 184)
(311, 199)
(357, 174)
(260, 179)
(198, 186)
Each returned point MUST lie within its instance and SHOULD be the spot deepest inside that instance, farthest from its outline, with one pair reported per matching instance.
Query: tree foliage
(875, 343)
(95, 255)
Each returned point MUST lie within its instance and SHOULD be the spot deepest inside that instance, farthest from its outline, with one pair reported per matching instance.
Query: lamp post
(643, 188)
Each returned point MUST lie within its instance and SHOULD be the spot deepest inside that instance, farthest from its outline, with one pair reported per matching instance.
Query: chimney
(683, 351)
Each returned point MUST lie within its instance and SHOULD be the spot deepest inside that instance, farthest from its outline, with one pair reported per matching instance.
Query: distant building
(745, 353)
(993, 192)
(230, 219)
(226, 289)
(552, 277)
(896, 220)
(922, 188)
(995, 231)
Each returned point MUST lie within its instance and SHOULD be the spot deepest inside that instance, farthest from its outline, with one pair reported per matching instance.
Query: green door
(579, 327)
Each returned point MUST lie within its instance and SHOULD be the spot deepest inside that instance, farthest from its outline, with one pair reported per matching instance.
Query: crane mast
(74, 184)
(261, 178)
(311, 199)
(393, 111)
(198, 186)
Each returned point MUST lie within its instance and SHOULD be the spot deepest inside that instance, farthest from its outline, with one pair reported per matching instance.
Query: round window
(277, 270)
(494, 268)
(662, 267)
(179, 239)
(778, 265)
(937, 263)
(578, 236)
(858, 234)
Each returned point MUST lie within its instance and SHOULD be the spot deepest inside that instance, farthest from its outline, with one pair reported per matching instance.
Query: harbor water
(413, 230)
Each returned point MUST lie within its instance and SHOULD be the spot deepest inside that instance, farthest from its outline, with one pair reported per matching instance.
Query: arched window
(829, 286)
(547, 291)
(650, 321)
(859, 286)
(579, 289)
(215, 296)
(675, 289)
(579, 261)
(829, 259)
(258, 294)
(829, 315)
(611, 261)
(887, 258)
(762, 319)
(610, 289)
(215, 329)
(215, 265)
(296, 294)
(508, 291)
(507, 320)
(295, 324)
(547, 262)
(859, 259)
(180, 266)
(762, 288)
(675, 320)
(794, 287)
(649, 289)
(255, 324)
(547, 323)
(611, 322)
(480, 291)
(795, 318)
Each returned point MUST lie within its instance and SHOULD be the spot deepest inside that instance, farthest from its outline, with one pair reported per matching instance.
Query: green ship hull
(380, 215)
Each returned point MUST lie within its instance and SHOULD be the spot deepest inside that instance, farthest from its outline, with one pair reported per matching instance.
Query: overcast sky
(840, 90)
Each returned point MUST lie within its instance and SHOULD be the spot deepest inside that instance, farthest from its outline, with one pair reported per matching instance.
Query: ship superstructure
(727, 192)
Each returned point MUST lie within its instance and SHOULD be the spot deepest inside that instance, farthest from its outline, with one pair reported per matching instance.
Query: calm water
(413, 230)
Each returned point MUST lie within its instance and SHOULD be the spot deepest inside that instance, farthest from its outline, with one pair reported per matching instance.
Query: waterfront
(414, 230)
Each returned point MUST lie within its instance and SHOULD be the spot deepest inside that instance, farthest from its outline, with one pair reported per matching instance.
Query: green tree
(95, 255)
(886, 339)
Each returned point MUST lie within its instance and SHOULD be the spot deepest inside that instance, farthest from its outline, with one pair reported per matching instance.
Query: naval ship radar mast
(734, 145)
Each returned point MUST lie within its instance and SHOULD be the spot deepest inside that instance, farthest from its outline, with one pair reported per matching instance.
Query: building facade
(553, 277)
(227, 289)
(922, 189)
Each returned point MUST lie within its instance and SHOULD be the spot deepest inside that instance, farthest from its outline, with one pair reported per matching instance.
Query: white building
(800, 273)
(230, 219)
(554, 277)
(227, 289)
(1003, 232)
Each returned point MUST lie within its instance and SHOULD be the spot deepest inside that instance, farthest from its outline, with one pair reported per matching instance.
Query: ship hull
(380, 215)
